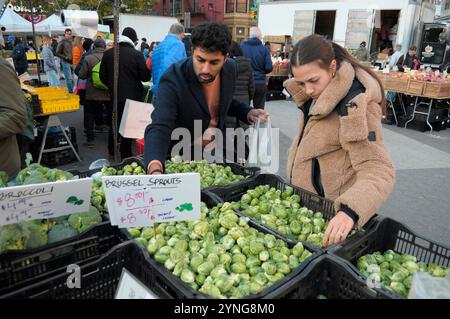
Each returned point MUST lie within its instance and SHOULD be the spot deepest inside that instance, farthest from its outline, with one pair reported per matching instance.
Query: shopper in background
(171, 50)
(49, 62)
(362, 54)
(409, 60)
(261, 65)
(78, 50)
(95, 97)
(339, 150)
(144, 45)
(65, 52)
(54, 46)
(395, 57)
(132, 72)
(13, 119)
(19, 55)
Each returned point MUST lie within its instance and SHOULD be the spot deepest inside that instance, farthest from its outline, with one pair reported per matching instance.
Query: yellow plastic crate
(71, 102)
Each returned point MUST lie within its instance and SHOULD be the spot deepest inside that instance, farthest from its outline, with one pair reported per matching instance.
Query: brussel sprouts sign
(138, 201)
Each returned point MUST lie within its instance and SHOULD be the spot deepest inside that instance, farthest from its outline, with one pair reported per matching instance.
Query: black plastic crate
(390, 234)
(126, 161)
(175, 288)
(330, 277)
(310, 200)
(25, 267)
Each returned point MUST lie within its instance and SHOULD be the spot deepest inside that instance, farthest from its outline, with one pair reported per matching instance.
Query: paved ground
(421, 197)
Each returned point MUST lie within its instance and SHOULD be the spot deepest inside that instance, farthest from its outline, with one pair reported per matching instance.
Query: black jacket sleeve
(268, 61)
(239, 110)
(144, 73)
(158, 133)
(251, 84)
(104, 76)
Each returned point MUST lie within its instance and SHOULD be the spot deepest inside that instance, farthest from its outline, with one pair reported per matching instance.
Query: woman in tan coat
(339, 151)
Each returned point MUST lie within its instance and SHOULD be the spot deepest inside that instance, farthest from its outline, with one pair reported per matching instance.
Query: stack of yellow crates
(56, 100)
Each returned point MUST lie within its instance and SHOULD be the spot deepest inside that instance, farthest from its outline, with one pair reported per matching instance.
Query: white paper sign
(142, 200)
(42, 201)
(136, 116)
(131, 288)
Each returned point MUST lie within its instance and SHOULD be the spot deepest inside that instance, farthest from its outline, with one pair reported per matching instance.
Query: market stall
(243, 244)
(425, 87)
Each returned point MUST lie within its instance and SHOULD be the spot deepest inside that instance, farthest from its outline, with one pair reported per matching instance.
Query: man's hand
(338, 229)
(154, 168)
(254, 114)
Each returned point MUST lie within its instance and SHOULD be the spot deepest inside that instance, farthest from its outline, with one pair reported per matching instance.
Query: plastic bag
(425, 286)
(263, 151)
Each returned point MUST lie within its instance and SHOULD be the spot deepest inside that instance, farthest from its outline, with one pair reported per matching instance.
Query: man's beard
(203, 80)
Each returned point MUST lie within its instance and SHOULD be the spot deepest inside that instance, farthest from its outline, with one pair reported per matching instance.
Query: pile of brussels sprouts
(210, 174)
(395, 271)
(220, 254)
(282, 211)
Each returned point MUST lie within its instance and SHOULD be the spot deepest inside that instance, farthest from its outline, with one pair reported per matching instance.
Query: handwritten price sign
(47, 200)
(142, 200)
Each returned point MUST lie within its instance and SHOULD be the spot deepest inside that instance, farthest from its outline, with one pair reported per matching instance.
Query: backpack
(96, 82)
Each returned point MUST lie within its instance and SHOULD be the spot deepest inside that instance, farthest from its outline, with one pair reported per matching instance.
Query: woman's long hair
(316, 48)
(78, 43)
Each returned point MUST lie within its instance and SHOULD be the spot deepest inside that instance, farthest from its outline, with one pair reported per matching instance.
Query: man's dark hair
(212, 37)
(68, 30)
(144, 39)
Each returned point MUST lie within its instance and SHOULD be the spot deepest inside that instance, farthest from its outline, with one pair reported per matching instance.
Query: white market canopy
(14, 23)
(52, 24)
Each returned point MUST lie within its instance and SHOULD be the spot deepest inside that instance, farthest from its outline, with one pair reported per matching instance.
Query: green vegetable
(83, 221)
(61, 232)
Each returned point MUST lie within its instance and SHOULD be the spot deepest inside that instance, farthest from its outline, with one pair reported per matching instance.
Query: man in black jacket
(132, 72)
(199, 88)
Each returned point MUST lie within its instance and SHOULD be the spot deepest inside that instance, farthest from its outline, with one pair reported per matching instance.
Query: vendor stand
(421, 88)
(52, 102)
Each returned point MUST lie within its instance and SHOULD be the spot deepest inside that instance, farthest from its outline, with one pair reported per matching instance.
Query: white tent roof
(13, 22)
(52, 23)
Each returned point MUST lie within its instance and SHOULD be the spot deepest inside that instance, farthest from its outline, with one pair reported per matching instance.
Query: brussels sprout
(236, 233)
(213, 259)
(243, 278)
(298, 249)
(306, 254)
(269, 267)
(134, 232)
(302, 237)
(171, 230)
(408, 282)
(255, 288)
(222, 231)
(211, 290)
(219, 270)
(236, 249)
(225, 259)
(239, 258)
(205, 268)
(264, 255)
(293, 261)
(253, 261)
(253, 271)
(152, 246)
(438, 272)
(187, 276)
(411, 266)
(160, 257)
(170, 264)
(177, 255)
(261, 279)
(224, 282)
(295, 227)
(398, 276)
(283, 268)
(307, 229)
(373, 268)
(200, 279)
(256, 248)
(228, 242)
(238, 268)
(196, 261)
(148, 233)
(172, 241)
(399, 288)
(142, 241)
(279, 257)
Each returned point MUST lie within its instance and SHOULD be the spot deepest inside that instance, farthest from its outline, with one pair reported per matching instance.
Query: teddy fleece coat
(355, 168)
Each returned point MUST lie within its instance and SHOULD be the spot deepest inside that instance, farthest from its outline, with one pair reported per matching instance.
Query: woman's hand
(338, 229)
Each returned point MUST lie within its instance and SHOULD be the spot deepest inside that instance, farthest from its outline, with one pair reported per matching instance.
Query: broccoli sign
(143, 200)
(47, 200)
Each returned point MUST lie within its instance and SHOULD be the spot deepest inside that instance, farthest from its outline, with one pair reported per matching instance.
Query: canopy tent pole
(34, 42)
(116, 80)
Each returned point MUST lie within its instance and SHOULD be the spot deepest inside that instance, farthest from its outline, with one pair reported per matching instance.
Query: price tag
(142, 200)
(131, 288)
(42, 201)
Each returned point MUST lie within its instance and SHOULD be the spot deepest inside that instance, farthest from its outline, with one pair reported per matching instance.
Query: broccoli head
(3, 179)
(83, 221)
(60, 232)
(37, 233)
(13, 237)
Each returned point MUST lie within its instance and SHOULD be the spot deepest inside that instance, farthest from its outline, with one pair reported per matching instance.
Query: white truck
(153, 28)
(349, 22)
